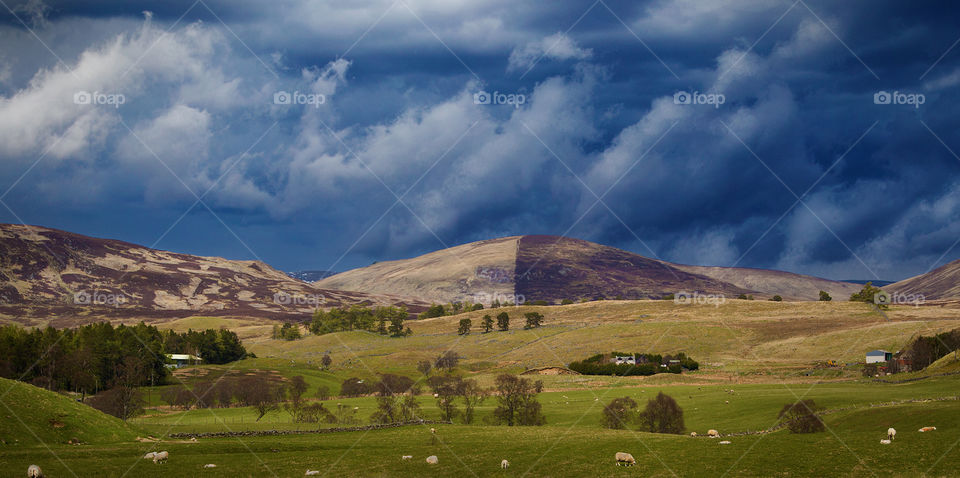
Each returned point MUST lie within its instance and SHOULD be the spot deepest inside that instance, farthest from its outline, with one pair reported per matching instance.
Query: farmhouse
(628, 359)
(879, 356)
(181, 360)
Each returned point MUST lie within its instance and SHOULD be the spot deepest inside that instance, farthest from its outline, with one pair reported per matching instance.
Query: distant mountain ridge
(942, 283)
(310, 276)
(556, 268)
(50, 274)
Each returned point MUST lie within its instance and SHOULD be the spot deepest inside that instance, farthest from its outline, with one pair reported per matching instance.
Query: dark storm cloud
(316, 186)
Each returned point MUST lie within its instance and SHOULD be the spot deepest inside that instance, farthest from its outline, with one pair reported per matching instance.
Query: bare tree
(517, 401)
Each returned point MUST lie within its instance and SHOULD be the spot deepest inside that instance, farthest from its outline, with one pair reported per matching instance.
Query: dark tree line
(93, 357)
(381, 320)
(647, 364)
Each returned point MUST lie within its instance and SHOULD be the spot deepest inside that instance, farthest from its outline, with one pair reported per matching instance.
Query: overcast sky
(164, 124)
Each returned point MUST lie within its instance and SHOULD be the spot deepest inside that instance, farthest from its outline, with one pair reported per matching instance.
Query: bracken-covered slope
(555, 268)
(46, 273)
(942, 283)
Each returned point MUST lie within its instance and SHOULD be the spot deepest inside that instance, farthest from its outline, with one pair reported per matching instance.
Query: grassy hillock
(33, 416)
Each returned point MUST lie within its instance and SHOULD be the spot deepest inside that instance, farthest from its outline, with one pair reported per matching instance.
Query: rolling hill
(49, 273)
(942, 283)
(555, 268)
(34, 416)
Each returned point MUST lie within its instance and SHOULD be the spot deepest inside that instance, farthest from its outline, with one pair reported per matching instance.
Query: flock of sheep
(892, 433)
(621, 458)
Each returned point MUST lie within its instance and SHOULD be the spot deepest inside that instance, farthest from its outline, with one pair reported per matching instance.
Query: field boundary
(255, 433)
(892, 403)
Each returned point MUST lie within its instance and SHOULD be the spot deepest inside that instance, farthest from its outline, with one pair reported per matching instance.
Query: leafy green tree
(566, 302)
(870, 295)
(503, 321)
(464, 327)
(487, 324)
(534, 320)
(825, 297)
(435, 310)
(776, 298)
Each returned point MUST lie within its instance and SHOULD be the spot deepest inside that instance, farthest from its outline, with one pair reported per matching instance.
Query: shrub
(618, 413)
(825, 297)
(391, 384)
(662, 415)
(801, 417)
(355, 387)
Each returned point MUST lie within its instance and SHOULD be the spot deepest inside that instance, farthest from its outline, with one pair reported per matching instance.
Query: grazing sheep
(433, 430)
(432, 460)
(713, 433)
(891, 433)
(406, 457)
(504, 464)
(693, 434)
(884, 442)
(160, 457)
(625, 458)
(209, 465)
(312, 473)
(725, 442)
(149, 456)
(927, 429)
(33, 471)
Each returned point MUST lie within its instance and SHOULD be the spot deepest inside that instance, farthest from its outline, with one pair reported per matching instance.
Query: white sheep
(312, 473)
(713, 433)
(160, 457)
(504, 464)
(884, 442)
(693, 434)
(927, 429)
(209, 465)
(34, 471)
(150, 455)
(725, 442)
(625, 459)
(891, 433)
(406, 457)
(432, 460)
(433, 431)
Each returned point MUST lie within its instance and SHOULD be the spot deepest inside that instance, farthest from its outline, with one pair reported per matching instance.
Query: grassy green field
(766, 353)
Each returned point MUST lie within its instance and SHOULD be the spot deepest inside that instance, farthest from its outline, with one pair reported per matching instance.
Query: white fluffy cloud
(554, 47)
